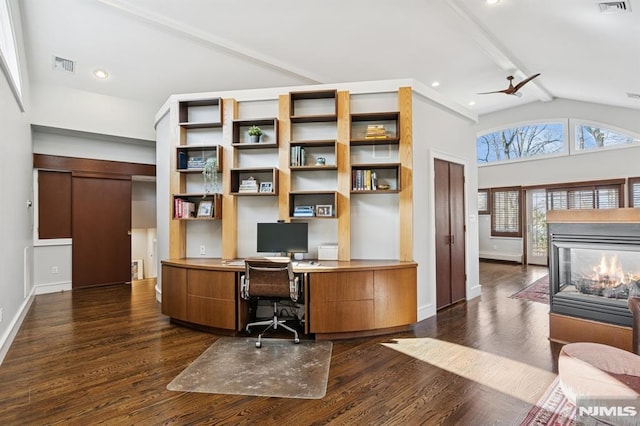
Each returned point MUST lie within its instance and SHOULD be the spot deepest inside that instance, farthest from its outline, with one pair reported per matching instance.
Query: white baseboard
(53, 287)
(510, 257)
(426, 311)
(474, 292)
(7, 339)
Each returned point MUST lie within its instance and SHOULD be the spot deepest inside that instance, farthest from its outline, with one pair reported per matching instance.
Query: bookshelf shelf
(262, 176)
(184, 153)
(269, 127)
(200, 114)
(375, 128)
(181, 211)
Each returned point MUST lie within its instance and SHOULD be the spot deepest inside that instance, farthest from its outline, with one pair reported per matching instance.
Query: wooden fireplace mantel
(624, 215)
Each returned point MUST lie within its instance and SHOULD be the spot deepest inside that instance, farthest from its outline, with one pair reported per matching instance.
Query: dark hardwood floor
(105, 355)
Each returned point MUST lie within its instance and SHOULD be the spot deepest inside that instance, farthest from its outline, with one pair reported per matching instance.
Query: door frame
(529, 259)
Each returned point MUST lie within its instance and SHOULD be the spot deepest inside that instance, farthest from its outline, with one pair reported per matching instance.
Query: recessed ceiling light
(100, 74)
(435, 84)
(493, 1)
(472, 103)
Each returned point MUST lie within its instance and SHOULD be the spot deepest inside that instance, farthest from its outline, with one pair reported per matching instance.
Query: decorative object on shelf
(324, 210)
(196, 162)
(266, 186)
(383, 186)
(321, 161)
(205, 208)
(249, 185)
(254, 134)
(210, 175)
(303, 211)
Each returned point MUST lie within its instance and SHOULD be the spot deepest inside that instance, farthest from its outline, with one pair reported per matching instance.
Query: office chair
(273, 280)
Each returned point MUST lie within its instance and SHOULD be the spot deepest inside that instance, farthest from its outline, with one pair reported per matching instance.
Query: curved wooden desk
(342, 299)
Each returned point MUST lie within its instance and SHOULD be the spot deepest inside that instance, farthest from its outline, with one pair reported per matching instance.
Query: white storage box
(328, 252)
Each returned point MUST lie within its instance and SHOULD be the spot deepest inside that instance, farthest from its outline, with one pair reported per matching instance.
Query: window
(590, 136)
(483, 201)
(8, 52)
(505, 212)
(634, 192)
(532, 140)
(604, 195)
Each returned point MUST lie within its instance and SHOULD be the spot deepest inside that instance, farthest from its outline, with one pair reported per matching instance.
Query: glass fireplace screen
(612, 272)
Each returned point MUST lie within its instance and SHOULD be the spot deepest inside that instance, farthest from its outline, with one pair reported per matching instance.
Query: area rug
(279, 368)
(538, 291)
(553, 409)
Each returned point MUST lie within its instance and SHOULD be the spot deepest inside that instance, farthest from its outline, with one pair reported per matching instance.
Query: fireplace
(594, 268)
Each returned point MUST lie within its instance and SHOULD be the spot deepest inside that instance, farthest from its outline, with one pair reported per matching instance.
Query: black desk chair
(272, 280)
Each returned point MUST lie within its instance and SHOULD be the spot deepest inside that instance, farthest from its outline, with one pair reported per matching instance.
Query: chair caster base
(296, 340)
(258, 345)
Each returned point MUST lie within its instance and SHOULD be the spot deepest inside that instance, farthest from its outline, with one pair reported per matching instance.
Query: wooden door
(450, 238)
(101, 229)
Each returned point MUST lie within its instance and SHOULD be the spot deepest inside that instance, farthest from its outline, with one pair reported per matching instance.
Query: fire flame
(609, 273)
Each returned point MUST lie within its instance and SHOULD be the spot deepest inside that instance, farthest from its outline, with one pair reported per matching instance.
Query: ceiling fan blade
(523, 82)
(496, 91)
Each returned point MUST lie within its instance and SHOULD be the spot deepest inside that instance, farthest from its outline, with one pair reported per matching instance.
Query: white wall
(16, 225)
(66, 108)
(595, 165)
(437, 133)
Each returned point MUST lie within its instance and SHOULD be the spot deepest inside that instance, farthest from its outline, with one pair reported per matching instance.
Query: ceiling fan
(513, 90)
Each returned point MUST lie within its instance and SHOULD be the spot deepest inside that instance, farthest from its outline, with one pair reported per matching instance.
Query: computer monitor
(283, 238)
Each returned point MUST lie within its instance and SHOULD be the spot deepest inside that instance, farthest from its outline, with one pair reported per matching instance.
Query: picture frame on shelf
(266, 186)
(324, 210)
(205, 208)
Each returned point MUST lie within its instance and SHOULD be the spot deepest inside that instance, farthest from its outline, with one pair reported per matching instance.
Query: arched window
(525, 141)
(591, 135)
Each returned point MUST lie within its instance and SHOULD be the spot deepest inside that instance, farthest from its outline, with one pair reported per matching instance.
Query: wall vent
(614, 6)
(63, 64)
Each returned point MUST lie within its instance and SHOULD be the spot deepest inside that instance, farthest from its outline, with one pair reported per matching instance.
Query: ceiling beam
(495, 50)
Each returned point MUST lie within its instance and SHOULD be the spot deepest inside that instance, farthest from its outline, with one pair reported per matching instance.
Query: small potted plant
(255, 133)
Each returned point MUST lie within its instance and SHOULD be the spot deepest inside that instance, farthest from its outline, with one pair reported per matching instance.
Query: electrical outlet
(54, 269)
(203, 250)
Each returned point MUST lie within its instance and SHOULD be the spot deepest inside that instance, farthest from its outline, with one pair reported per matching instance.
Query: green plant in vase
(255, 133)
(210, 175)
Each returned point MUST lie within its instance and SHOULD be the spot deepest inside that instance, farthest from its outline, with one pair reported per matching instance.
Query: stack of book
(298, 156)
(249, 185)
(183, 209)
(364, 180)
(376, 131)
(303, 211)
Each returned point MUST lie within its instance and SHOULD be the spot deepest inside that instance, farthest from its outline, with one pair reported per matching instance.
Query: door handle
(129, 232)
(452, 237)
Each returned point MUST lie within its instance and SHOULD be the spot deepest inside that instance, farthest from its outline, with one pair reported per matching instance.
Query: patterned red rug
(553, 409)
(538, 291)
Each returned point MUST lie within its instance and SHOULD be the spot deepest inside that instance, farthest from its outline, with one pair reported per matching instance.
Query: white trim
(7, 338)
(510, 257)
(48, 288)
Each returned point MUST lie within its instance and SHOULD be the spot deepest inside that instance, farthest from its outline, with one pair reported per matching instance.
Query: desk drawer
(212, 284)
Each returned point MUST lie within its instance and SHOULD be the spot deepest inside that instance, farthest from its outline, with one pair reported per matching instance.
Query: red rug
(553, 409)
(538, 291)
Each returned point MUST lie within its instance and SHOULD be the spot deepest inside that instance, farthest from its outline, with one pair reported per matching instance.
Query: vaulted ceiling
(154, 48)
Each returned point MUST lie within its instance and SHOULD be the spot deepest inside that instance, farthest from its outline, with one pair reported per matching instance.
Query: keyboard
(235, 263)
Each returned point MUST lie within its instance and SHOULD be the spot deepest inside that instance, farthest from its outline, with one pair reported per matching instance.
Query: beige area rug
(280, 368)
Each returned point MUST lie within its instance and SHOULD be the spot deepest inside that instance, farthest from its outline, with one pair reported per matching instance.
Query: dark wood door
(101, 215)
(450, 247)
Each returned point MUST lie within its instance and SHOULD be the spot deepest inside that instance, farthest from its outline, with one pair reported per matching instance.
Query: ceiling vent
(63, 64)
(614, 6)
(633, 95)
